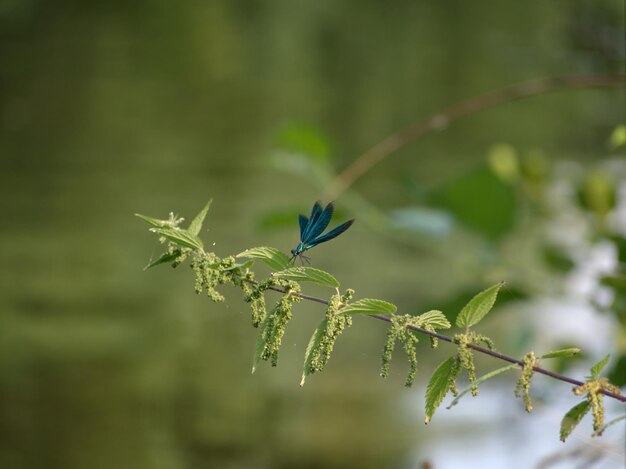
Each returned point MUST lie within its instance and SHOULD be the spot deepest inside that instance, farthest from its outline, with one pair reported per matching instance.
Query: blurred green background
(122, 107)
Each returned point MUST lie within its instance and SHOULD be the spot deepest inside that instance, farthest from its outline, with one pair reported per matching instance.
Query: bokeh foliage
(112, 108)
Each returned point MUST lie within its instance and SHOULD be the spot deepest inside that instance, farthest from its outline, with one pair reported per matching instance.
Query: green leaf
(478, 307)
(179, 236)
(434, 319)
(438, 387)
(573, 418)
(260, 343)
(369, 306)
(314, 343)
(154, 221)
(304, 274)
(563, 353)
(276, 259)
(165, 258)
(196, 225)
(482, 379)
(598, 367)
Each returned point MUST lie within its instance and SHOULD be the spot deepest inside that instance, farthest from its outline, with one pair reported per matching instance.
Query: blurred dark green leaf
(617, 374)
(620, 243)
(557, 260)
(481, 201)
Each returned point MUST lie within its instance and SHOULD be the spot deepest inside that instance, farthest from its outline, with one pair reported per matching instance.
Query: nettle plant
(211, 271)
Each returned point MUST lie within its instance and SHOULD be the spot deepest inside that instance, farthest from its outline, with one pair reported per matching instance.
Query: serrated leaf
(154, 221)
(438, 387)
(573, 418)
(478, 307)
(308, 274)
(369, 306)
(598, 367)
(563, 353)
(260, 343)
(482, 379)
(196, 224)
(179, 236)
(435, 319)
(314, 343)
(165, 258)
(276, 259)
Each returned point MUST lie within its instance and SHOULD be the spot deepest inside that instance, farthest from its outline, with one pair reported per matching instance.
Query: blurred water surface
(122, 107)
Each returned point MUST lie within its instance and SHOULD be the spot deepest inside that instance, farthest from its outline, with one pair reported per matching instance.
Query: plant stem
(478, 348)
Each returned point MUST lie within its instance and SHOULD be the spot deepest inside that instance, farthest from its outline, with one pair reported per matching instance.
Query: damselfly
(311, 229)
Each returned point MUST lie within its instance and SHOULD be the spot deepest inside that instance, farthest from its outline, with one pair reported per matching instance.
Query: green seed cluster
(465, 355)
(454, 373)
(254, 294)
(335, 324)
(274, 325)
(398, 332)
(466, 359)
(206, 269)
(522, 388)
(593, 388)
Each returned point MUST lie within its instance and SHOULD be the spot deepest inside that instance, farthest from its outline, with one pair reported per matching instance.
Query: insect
(311, 229)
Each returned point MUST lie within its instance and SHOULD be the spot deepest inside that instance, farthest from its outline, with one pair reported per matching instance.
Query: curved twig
(442, 119)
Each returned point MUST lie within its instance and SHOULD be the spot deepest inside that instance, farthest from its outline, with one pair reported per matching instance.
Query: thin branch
(442, 119)
(478, 348)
